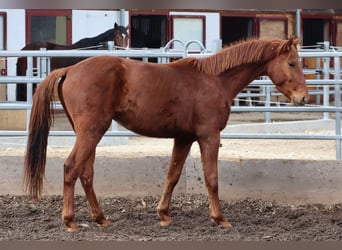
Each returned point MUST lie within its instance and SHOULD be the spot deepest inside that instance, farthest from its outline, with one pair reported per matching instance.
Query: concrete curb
(288, 181)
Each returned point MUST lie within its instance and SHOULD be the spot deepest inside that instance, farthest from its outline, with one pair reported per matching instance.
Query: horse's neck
(236, 79)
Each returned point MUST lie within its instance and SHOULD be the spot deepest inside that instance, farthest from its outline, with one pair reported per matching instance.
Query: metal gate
(329, 85)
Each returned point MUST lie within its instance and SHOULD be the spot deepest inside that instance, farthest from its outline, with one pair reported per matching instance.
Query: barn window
(316, 30)
(275, 27)
(186, 28)
(148, 31)
(2, 30)
(48, 25)
(236, 28)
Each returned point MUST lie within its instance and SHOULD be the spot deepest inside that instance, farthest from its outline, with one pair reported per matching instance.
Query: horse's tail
(41, 119)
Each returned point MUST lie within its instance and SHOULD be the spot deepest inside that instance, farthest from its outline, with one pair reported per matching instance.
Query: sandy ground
(136, 219)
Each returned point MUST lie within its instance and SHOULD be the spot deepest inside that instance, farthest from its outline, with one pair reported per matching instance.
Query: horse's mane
(242, 52)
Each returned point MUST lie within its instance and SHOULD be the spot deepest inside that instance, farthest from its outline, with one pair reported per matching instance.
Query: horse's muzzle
(300, 100)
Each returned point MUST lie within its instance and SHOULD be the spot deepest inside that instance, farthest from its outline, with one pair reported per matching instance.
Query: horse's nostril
(304, 100)
(299, 101)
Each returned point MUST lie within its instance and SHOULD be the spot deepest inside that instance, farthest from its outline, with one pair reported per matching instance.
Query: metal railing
(328, 86)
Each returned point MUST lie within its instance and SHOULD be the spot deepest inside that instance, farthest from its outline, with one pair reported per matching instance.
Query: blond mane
(240, 53)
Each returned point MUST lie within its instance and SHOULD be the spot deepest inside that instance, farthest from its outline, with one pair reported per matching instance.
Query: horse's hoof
(165, 223)
(165, 219)
(72, 228)
(71, 225)
(104, 223)
(222, 222)
(225, 223)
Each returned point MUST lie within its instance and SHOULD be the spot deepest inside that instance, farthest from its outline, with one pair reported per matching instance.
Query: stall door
(3, 68)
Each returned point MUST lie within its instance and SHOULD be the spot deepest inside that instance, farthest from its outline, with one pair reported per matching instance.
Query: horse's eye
(292, 64)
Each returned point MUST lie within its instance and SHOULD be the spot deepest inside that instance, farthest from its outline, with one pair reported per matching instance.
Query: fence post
(318, 77)
(42, 65)
(326, 88)
(337, 105)
(268, 92)
(29, 91)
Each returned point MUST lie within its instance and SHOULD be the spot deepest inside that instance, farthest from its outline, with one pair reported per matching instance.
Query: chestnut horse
(118, 34)
(188, 100)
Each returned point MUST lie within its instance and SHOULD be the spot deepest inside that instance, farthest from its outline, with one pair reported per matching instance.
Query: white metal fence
(329, 85)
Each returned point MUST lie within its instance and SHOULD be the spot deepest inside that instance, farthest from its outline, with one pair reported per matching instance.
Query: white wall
(89, 23)
(15, 41)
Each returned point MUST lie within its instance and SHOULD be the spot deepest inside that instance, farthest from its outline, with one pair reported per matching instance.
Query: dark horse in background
(118, 34)
(188, 100)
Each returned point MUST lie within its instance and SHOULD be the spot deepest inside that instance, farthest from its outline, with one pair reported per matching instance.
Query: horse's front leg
(209, 146)
(180, 151)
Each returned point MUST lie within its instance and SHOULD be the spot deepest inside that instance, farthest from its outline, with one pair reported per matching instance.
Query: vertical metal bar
(122, 17)
(318, 76)
(29, 73)
(326, 88)
(48, 67)
(268, 103)
(145, 59)
(337, 104)
(42, 65)
(268, 91)
(298, 22)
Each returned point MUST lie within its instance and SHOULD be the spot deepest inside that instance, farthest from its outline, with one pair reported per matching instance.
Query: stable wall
(288, 181)
(13, 119)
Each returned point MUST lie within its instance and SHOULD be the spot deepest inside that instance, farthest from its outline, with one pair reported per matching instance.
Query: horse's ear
(298, 42)
(127, 27)
(295, 41)
(116, 25)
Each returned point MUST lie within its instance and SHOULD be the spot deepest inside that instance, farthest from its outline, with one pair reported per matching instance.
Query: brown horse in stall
(188, 100)
(118, 34)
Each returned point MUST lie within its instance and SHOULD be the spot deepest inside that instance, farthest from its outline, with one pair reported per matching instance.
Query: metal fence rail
(331, 84)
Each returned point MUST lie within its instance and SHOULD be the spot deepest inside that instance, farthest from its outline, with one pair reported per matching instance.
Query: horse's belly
(151, 126)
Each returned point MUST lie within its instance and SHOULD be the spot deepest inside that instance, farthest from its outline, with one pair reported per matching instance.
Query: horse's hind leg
(180, 151)
(80, 164)
(87, 182)
(71, 173)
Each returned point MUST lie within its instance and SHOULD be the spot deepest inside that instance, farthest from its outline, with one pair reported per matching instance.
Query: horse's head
(120, 36)
(286, 72)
